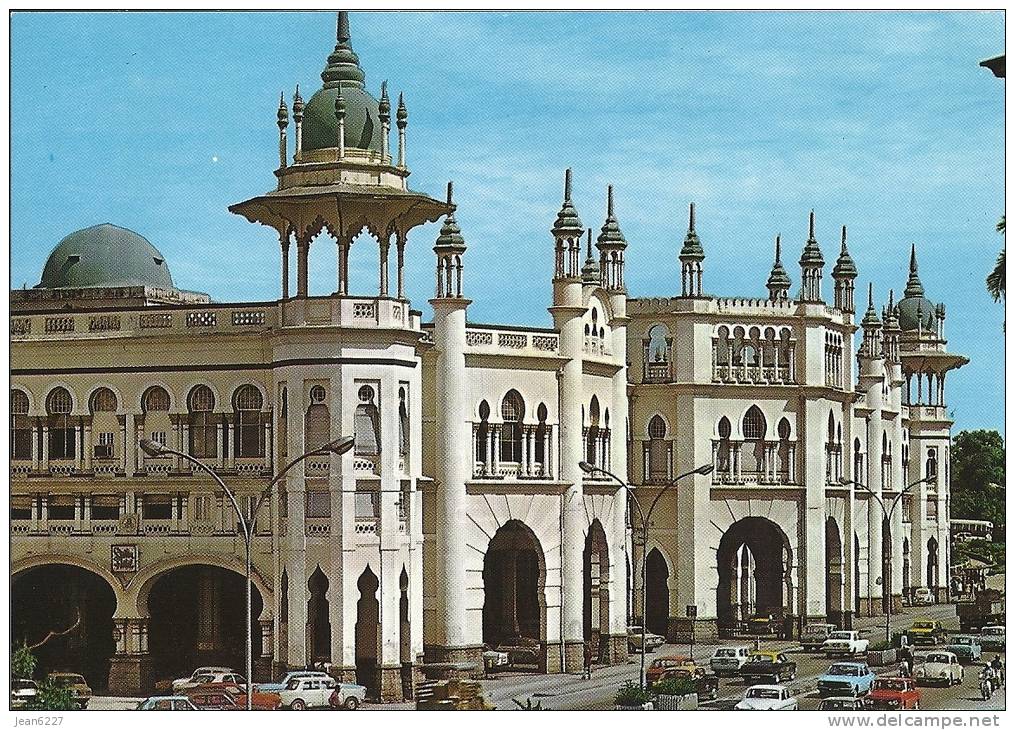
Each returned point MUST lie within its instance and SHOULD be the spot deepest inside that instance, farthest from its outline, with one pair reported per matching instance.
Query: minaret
(283, 122)
(611, 245)
(452, 431)
(778, 281)
(402, 121)
(844, 273)
(298, 120)
(811, 264)
(567, 233)
(691, 257)
(892, 331)
(384, 112)
(870, 349)
(914, 287)
(568, 308)
(590, 271)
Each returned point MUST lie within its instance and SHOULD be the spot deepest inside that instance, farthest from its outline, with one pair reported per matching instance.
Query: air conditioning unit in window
(103, 451)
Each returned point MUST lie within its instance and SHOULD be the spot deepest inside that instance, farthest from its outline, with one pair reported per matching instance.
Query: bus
(965, 530)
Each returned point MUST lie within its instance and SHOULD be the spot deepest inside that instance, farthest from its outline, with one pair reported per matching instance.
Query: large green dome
(362, 123)
(105, 256)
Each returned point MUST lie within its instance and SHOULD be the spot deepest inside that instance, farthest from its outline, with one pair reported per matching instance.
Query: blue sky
(880, 121)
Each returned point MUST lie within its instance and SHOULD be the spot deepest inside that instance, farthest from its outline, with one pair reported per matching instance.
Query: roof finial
(844, 239)
(588, 246)
(870, 294)
(912, 259)
(778, 248)
(451, 187)
(914, 287)
(609, 201)
(690, 223)
(811, 225)
(567, 185)
(343, 27)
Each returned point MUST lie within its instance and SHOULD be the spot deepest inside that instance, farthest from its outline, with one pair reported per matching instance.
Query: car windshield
(763, 693)
(669, 662)
(204, 678)
(923, 625)
(845, 670)
(993, 631)
(725, 652)
(963, 641)
(894, 685)
(837, 705)
(815, 630)
(840, 635)
(293, 684)
(762, 658)
(937, 658)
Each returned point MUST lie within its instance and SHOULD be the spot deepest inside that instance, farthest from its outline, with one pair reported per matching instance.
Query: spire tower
(778, 281)
(811, 265)
(611, 244)
(691, 257)
(844, 273)
(567, 234)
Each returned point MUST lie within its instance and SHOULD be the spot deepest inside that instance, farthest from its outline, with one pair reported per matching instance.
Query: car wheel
(298, 705)
(351, 703)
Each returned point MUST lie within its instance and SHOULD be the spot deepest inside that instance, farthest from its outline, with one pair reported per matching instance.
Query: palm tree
(995, 280)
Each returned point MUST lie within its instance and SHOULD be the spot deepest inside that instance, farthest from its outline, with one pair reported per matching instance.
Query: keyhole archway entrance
(368, 612)
(763, 568)
(514, 577)
(657, 593)
(596, 604)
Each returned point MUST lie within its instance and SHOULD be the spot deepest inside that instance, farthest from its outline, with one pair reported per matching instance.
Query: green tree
(52, 696)
(977, 478)
(23, 662)
(995, 280)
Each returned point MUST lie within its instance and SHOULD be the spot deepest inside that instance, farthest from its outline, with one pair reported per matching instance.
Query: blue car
(967, 648)
(281, 683)
(850, 679)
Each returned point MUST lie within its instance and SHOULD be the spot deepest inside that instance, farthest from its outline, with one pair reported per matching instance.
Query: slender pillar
(302, 254)
(284, 240)
(385, 246)
(400, 251)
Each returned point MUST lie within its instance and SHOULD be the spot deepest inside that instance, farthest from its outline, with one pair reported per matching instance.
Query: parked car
(705, 683)
(846, 678)
(287, 678)
(926, 631)
(23, 691)
(940, 667)
(218, 677)
(493, 658)
(844, 643)
(923, 597)
(661, 664)
(652, 641)
(521, 650)
(767, 697)
(729, 659)
(966, 647)
(174, 702)
(814, 635)
(770, 666)
(204, 699)
(259, 700)
(992, 638)
(895, 693)
(762, 623)
(307, 692)
(185, 682)
(842, 704)
(77, 685)
(348, 695)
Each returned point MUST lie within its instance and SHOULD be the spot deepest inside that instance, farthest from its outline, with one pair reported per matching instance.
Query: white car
(729, 659)
(306, 692)
(940, 667)
(652, 641)
(992, 638)
(844, 643)
(768, 697)
(184, 683)
(23, 691)
(923, 597)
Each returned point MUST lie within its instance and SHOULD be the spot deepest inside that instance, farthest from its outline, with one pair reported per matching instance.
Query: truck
(987, 609)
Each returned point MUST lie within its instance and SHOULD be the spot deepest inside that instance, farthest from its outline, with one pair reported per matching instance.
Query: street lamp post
(887, 513)
(644, 516)
(247, 522)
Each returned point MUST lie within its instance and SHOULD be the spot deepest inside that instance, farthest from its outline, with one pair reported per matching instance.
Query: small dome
(913, 310)
(362, 120)
(105, 256)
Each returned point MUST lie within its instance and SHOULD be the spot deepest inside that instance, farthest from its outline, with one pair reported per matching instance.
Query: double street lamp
(644, 517)
(247, 521)
(887, 512)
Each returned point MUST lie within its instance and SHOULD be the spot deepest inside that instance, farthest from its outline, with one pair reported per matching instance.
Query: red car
(895, 693)
(229, 696)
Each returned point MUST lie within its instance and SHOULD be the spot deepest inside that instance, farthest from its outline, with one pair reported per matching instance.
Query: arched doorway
(596, 603)
(657, 593)
(405, 633)
(906, 567)
(52, 598)
(932, 564)
(514, 575)
(856, 574)
(318, 618)
(833, 572)
(368, 615)
(763, 568)
(197, 619)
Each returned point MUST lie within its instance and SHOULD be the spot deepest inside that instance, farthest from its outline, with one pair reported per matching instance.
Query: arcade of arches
(754, 577)
(514, 575)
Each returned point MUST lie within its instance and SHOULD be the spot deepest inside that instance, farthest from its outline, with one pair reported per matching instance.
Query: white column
(523, 467)
(78, 447)
(87, 448)
(45, 447)
(219, 449)
(488, 461)
(35, 449)
(496, 449)
(547, 450)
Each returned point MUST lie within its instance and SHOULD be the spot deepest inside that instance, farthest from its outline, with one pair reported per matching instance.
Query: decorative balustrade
(366, 526)
(658, 372)
(104, 323)
(247, 318)
(317, 466)
(155, 320)
(514, 341)
(62, 468)
(473, 339)
(58, 325)
(752, 374)
(365, 464)
(318, 526)
(21, 326)
(126, 323)
(105, 527)
(202, 319)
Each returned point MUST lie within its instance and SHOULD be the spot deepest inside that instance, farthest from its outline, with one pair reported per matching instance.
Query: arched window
(931, 466)
(248, 432)
(367, 422)
(512, 411)
(723, 456)
(283, 424)
(403, 422)
(658, 451)
(203, 431)
(753, 451)
(21, 426)
(858, 473)
(482, 448)
(103, 400)
(317, 419)
(592, 434)
(61, 428)
(786, 474)
(541, 433)
(657, 354)
(155, 399)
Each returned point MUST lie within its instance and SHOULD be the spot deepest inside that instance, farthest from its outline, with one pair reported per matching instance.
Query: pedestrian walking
(588, 660)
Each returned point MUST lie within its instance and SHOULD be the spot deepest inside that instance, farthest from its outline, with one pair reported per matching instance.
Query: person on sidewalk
(588, 660)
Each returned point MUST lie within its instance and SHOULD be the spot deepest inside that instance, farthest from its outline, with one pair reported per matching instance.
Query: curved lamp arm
(590, 468)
